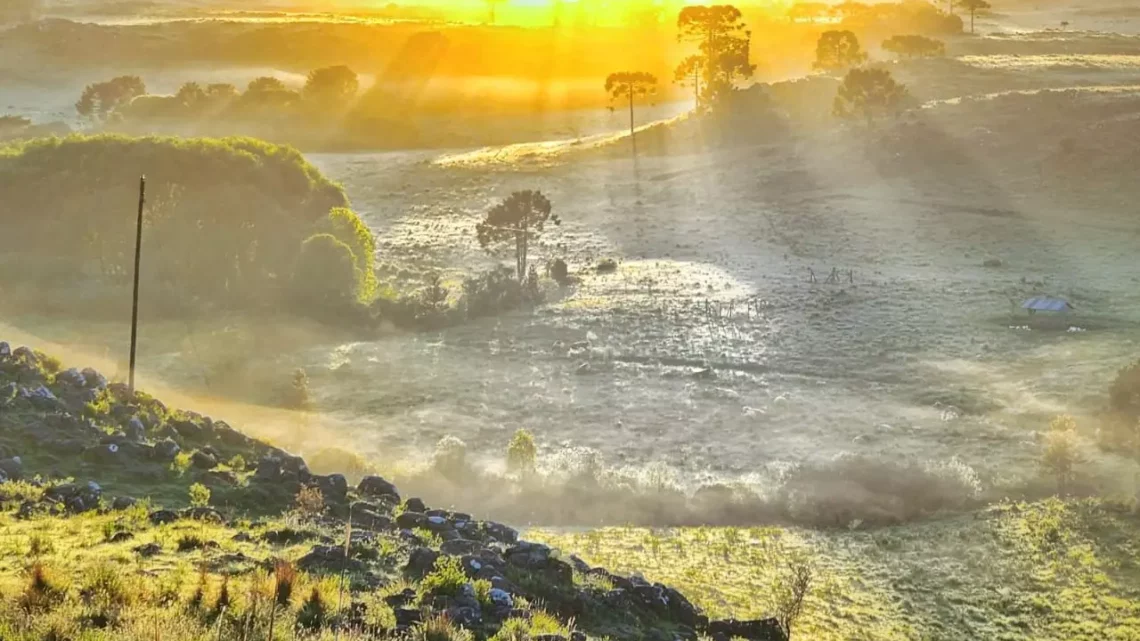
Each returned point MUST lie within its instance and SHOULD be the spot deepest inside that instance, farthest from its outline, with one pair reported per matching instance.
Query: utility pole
(135, 299)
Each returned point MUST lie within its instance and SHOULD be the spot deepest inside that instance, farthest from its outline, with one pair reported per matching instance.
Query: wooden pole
(135, 298)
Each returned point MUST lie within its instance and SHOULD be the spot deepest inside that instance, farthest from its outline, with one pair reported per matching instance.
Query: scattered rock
(135, 430)
(755, 630)
(420, 562)
(123, 502)
(203, 460)
(410, 520)
(166, 450)
(12, 468)
(415, 505)
(160, 517)
(329, 558)
(148, 549)
(501, 532)
(242, 537)
(376, 487)
(459, 547)
(334, 487)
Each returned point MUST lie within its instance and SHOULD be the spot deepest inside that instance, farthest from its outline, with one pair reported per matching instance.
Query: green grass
(1051, 570)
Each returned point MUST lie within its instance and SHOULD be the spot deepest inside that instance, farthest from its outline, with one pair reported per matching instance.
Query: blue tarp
(1046, 304)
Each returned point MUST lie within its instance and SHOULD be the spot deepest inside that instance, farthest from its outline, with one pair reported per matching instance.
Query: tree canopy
(520, 217)
(914, 46)
(101, 99)
(723, 43)
(868, 93)
(331, 86)
(630, 85)
(838, 50)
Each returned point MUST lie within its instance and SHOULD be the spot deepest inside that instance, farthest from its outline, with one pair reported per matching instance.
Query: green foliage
(101, 99)
(103, 585)
(326, 274)
(440, 628)
(868, 94)
(1061, 452)
(331, 87)
(520, 219)
(378, 615)
(237, 463)
(522, 452)
(309, 502)
(445, 579)
(838, 50)
(482, 589)
(348, 228)
(39, 544)
(181, 462)
(199, 495)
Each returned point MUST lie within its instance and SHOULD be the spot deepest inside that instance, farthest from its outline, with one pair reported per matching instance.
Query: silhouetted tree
(331, 85)
(629, 85)
(915, 46)
(838, 50)
(521, 216)
(268, 93)
(191, 95)
(724, 44)
(492, 5)
(265, 84)
(973, 6)
(101, 99)
(689, 72)
(867, 93)
(810, 11)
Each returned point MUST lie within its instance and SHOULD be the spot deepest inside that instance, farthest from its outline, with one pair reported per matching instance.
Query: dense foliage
(225, 224)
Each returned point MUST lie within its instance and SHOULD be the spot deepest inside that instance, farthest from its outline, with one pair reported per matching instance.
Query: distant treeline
(231, 223)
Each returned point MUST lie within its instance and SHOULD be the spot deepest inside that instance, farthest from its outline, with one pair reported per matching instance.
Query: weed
(309, 502)
(522, 452)
(43, 591)
(199, 495)
(440, 628)
(445, 579)
(188, 542)
(39, 545)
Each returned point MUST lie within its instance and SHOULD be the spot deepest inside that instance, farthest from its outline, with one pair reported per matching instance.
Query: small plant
(378, 615)
(39, 545)
(297, 395)
(521, 452)
(791, 589)
(181, 463)
(237, 463)
(44, 590)
(188, 542)
(445, 579)
(450, 457)
(309, 502)
(1062, 451)
(559, 271)
(440, 628)
(545, 623)
(313, 611)
(483, 592)
(199, 495)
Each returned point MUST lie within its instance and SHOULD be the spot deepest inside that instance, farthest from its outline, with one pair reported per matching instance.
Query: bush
(445, 579)
(450, 457)
(560, 272)
(309, 502)
(326, 275)
(43, 591)
(296, 396)
(521, 452)
(1061, 453)
(199, 495)
(440, 628)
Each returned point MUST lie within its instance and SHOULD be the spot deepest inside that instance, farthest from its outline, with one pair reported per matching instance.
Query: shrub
(309, 502)
(188, 542)
(43, 591)
(313, 611)
(606, 266)
(791, 590)
(297, 394)
(559, 271)
(440, 628)
(378, 615)
(325, 274)
(521, 452)
(450, 457)
(1061, 453)
(237, 463)
(199, 495)
(103, 585)
(445, 579)
(39, 545)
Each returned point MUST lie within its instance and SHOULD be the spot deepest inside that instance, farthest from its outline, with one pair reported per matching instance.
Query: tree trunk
(632, 134)
(971, 21)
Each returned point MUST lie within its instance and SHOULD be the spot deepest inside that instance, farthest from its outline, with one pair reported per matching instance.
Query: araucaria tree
(973, 6)
(689, 72)
(629, 85)
(867, 94)
(520, 218)
(723, 43)
(102, 99)
(838, 50)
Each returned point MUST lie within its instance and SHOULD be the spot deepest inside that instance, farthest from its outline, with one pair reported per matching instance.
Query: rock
(682, 610)
(402, 598)
(203, 460)
(268, 468)
(242, 537)
(754, 630)
(135, 430)
(420, 561)
(407, 616)
(188, 430)
(459, 547)
(13, 468)
(439, 524)
(8, 393)
(5, 350)
(501, 533)
(287, 536)
(992, 262)
(148, 549)
(334, 487)
(410, 520)
(160, 517)
(71, 377)
(329, 558)
(369, 518)
(415, 505)
(202, 513)
(166, 450)
(119, 537)
(230, 437)
(93, 379)
(376, 487)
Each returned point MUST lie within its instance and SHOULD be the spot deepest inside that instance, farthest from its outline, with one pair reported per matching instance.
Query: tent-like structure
(1046, 304)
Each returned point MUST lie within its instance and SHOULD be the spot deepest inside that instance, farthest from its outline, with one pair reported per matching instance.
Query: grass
(1062, 570)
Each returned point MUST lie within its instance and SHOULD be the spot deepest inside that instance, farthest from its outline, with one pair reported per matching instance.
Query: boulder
(501, 532)
(376, 487)
(754, 630)
(329, 558)
(188, 430)
(148, 549)
(159, 517)
(459, 547)
(71, 377)
(439, 524)
(135, 430)
(93, 379)
(203, 460)
(218, 478)
(402, 598)
(123, 502)
(12, 468)
(420, 562)
(369, 517)
(410, 520)
(334, 487)
(415, 505)
(166, 450)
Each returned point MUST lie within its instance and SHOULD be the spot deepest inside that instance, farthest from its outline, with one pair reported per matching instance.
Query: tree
(1062, 451)
(630, 84)
(689, 72)
(973, 6)
(520, 217)
(492, 5)
(791, 590)
(101, 99)
(838, 50)
(191, 95)
(326, 272)
(265, 84)
(867, 93)
(331, 86)
(724, 45)
(915, 46)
